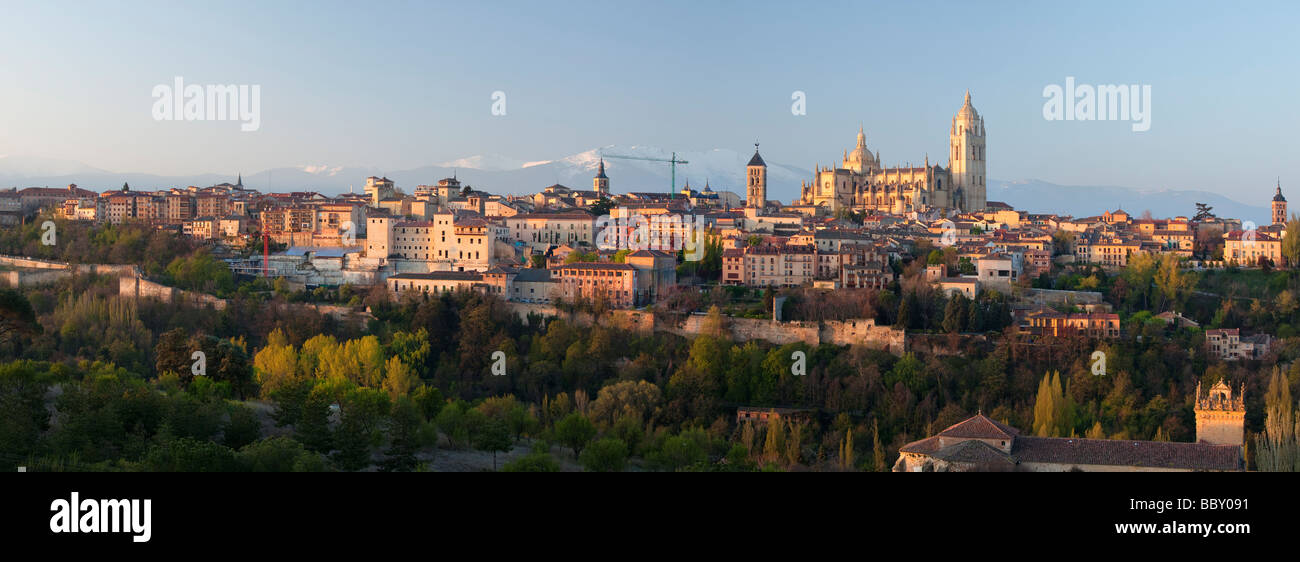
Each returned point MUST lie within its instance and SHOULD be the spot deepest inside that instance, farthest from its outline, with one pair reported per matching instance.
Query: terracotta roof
(973, 451)
(980, 426)
(1151, 454)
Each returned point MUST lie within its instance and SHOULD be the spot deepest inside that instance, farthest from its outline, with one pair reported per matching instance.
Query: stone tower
(1221, 417)
(600, 183)
(756, 182)
(966, 158)
(1279, 205)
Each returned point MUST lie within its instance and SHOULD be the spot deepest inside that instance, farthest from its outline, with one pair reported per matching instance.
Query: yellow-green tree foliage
(1278, 447)
(1049, 408)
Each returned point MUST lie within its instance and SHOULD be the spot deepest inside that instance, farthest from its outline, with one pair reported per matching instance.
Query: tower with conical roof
(1279, 205)
(756, 182)
(966, 141)
(600, 183)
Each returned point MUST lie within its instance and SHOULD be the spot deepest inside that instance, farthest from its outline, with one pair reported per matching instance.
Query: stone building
(1279, 205)
(756, 182)
(980, 444)
(1220, 417)
(862, 183)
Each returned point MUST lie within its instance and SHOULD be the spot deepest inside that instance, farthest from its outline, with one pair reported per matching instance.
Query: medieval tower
(1279, 205)
(600, 183)
(756, 182)
(1221, 417)
(966, 158)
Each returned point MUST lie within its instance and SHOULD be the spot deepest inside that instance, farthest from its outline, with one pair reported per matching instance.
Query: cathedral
(862, 183)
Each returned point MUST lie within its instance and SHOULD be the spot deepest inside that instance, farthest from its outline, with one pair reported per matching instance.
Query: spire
(240, 182)
(600, 173)
(757, 160)
(967, 96)
(862, 137)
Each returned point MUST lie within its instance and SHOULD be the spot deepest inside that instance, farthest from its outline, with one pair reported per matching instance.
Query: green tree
(608, 454)
(403, 436)
(1291, 242)
(540, 460)
(1049, 407)
(575, 431)
(493, 437)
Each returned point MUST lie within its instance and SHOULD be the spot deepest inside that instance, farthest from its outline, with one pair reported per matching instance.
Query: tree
(278, 454)
(1174, 284)
(954, 315)
(608, 454)
(172, 353)
(398, 378)
(575, 431)
(494, 436)
(601, 208)
(1049, 407)
(16, 316)
(403, 436)
(878, 449)
(312, 428)
(1203, 212)
(1291, 242)
(846, 451)
(539, 460)
(1277, 449)
(276, 365)
(243, 428)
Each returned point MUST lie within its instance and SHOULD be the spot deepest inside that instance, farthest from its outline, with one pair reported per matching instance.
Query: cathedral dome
(860, 160)
(967, 111)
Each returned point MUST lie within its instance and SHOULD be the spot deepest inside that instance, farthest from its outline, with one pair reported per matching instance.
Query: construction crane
(674, 161)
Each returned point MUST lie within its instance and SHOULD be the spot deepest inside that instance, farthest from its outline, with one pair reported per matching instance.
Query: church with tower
(863, 183)
(981, 444)
(1279, 205)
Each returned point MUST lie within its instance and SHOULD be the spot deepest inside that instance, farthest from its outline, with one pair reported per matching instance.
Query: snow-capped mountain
(1088, 200)
(723, 169)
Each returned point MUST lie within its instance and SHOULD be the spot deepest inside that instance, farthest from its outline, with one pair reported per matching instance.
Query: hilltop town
(903, 260)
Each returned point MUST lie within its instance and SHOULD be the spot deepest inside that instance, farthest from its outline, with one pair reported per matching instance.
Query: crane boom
(673, 161)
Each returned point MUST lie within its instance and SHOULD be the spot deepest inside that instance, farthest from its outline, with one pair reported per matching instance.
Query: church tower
(1279, 205)
(756, 182)
(966, 160)
(1221, 417)
(600, 184)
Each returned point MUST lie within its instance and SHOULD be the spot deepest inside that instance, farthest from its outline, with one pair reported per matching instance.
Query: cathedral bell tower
(756, 182)
(966, 158)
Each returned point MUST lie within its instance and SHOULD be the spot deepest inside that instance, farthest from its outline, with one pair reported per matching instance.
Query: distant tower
(966, 160)
(600, 184)
(240, 182)
(1220, 417)
(756, 181)
(1279, 205)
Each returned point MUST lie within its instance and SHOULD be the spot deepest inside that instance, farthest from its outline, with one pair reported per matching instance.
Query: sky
(398, 85)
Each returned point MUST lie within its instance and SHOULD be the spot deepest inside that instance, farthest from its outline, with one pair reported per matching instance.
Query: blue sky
(403, 84)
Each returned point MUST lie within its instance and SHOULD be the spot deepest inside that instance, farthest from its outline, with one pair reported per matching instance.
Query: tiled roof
(980, 426)
(1149, 454)
(973, 451)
